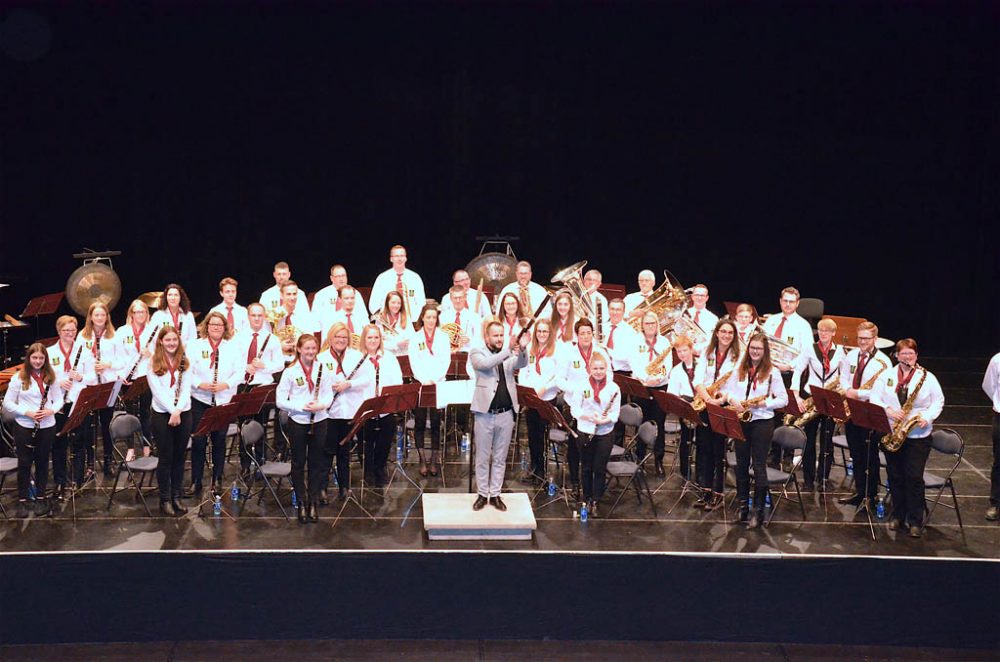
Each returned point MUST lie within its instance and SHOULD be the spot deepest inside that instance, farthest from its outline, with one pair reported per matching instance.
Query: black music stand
(215, 418)
(395, 400)
(725, 422)
(550, 414)
(876, 421)
(43, 305)
(90, 401)
(685, 413)
(792, 408)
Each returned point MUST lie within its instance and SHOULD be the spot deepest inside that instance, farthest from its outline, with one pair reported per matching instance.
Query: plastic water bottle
(465, 443)
(850, 467)
(295, 500)
(552, 487)
(880, 508)
(751, 502)
(32, 492)
(767, 500)
(584, 513)
(336, 481)
(399, 448)
(524, 462)
(234, 494)
(217, 506)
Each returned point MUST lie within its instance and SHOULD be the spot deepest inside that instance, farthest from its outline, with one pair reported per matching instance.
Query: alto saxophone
(698, 404)
(747, 404)
(867, 385)
(809, 406)
(655, 367)
(893, 441)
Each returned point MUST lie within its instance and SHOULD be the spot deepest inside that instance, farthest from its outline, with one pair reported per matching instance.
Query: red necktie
(781, 326)
(862, 362)
(339, 304)
(611, 337)
(697, 313)
(229, 316)
(399, 283)
(252, 353)
(350, 325)
(457, 323)
(288, 320)
(651, 352)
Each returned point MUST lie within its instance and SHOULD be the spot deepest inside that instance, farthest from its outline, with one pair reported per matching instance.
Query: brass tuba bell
(571, 278)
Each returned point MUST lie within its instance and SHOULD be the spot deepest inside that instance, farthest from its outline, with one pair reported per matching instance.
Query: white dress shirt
(928, 402)
(795, 331)
(110, 352)
(387, 373)
(125, 336)
(810, 364)
(633, 300)
(412, 283)
(22, 401)
(345, 405)
(470, 303)
(738, 390)
(188, 330)
(241, 320)
(571, 365)
(169, 398)
(643, 355)
(429, 362)
(357, 319)
(293, 393)
(849, 365)
(231, 370)
(328, 298)
(536, 294)
(582, 402)
(62, 365)
(540, 374)
(271, 300)
(621, 341)
(991, 382)
(678, 382)
(268, 351)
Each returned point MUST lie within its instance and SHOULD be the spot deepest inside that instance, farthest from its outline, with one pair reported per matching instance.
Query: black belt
(499, 410)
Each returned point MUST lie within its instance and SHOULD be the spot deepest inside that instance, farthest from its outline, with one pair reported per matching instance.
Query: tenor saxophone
(698, 404)
(809, 405)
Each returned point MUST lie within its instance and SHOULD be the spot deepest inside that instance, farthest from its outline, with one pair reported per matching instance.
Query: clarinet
(97, 350)
(180, 378)
(76, 361)
(364, 357)
(139, 360)
(45, 397)
(215, 371)
(600, 314)
(312, 414)
(610, 403)
(249, 377)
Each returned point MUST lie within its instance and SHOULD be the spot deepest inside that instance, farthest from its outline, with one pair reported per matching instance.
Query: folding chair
(947, 442)
(789, 439)
(633, 470)
(252, 433)
(631, 417)
(123, 427)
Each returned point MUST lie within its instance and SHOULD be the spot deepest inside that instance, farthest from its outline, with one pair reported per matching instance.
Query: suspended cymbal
(93, 282)
(495, 269)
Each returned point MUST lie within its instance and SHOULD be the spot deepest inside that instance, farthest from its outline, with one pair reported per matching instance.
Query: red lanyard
(597, 386)
(586, 357)
(136, 334)
(429, 340)
(308, 374)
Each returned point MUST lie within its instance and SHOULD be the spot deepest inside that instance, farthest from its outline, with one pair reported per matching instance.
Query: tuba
(571, 278)
(668, 301)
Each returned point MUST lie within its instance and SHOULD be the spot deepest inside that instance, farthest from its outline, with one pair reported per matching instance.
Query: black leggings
(420, 424)
(336, 430)
(171, 447)
(308, 448)
(32, 452)
(60, 448)
(753, 450)
(536, 442)
(594, 454)
(84, 441)
(711, 464)
(199, 446)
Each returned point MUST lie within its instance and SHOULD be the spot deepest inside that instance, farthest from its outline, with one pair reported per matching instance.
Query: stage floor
(829, 529)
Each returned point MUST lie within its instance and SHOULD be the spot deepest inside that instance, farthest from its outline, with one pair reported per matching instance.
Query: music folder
(829, 403)
(216, 418)
(724, 421)
(871, 416)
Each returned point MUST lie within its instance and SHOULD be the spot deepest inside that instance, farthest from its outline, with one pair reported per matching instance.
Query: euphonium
(668, 301)
(893, 441)
(685, 326)
(571, 278)
(698, 404)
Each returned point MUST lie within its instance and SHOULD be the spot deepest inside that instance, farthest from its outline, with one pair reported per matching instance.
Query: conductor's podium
(451, 517)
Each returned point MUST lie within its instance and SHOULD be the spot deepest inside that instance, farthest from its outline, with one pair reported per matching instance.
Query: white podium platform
(451, 517)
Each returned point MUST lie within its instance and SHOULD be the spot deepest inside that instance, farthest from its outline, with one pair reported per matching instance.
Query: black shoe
(109, 469)
(179, 507)
(323, 498)
(851, 500)
(701, 502)
(480, 502)
(499, 504)
(42, 507)
(193, 490)
(659, 468)
(894, 524)
(993, 513)
(575, 491)
(59, 493)
(313, 513)
(592, 509)
(744, 513)
(809, 486)
(915, 531)
(167, 508)
(301, 513)
(755, 520)
(217, 489)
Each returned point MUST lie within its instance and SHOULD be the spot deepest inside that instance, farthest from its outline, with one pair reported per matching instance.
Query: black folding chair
(251, 434)
(947, 442)
(124, 427)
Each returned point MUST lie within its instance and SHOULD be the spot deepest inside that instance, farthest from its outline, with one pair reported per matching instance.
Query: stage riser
(455, 595)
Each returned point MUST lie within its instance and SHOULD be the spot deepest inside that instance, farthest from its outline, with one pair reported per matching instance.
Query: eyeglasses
(218, 324)
(789, 300)
(866, 337)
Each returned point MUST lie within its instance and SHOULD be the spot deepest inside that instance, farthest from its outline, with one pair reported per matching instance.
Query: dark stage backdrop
(850, 149)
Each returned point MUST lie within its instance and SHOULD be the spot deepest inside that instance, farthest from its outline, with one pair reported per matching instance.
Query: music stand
(43, 305)
(550, 414)
(404, 366)
(876, 421)
(395, 400)
(248, 404)
(457, 371)
(216, 418)
(91, 399)
(830, 403)
(792, 408)
(632, 387)
(725, 422)
(685, 413)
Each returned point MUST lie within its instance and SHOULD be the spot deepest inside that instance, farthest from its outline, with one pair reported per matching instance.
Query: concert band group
(329, 357)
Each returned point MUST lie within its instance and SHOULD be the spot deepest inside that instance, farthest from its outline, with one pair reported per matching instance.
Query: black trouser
(200, 444)
(60, 447)
(995, 472)
(84, 441)
(594, 454)
(420, 424)
(32, 452)
(684, 450)
(864, 455)
(572, 448)
(905, 469)
(651, 412)
(753, 450)
(336, 430)
(711, 462)
(308, 448)
(380, 434)
(821, 426)
(536, 441)
(140, 408)
(171, 448)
